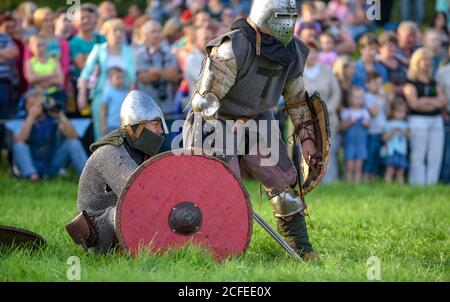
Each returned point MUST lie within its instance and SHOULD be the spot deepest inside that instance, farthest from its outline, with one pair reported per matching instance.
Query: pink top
(328, 58)
(340, 10)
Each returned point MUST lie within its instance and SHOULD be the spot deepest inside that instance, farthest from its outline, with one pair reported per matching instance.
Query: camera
(51, 106)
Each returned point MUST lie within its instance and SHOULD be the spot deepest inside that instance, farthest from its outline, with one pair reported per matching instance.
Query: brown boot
(311, 256)
(82, 230)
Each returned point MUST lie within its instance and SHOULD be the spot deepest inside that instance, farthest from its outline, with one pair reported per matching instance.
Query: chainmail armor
(101, 182)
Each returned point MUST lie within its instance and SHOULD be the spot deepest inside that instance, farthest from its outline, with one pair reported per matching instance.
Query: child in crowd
(308, 19)
(396, 134)
(375, 102)
(327, 55)
(112, 100)
(355, 121)
(44, 72)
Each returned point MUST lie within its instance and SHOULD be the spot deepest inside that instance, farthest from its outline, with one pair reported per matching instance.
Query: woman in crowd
(57, 48)
(425, 101)
(320, 78)
(112, 53)
(43, 72)
(396, 71)
(344, 69)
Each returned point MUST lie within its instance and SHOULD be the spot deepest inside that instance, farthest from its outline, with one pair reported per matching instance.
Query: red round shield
(174, 199)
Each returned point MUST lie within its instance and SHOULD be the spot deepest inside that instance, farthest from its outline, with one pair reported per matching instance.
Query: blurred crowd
(387, 84)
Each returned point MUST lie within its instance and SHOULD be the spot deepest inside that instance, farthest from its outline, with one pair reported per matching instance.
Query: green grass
(407, 228)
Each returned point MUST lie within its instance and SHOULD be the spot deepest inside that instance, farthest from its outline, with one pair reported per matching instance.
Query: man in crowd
(47, 141)
(82, 43)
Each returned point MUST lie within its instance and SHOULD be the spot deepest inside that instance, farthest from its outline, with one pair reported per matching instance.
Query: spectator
(106, 11)
(44, 72)
(308, 20)
(156, 10)
(358, 21)
(172, 31)
(84, 41)
(8, 27)
(327, 55)
(320, 78)
(355, 121)
(136, 37)
(240, 7)
(396, 71)
(339, 9)
(440, 24)
(368, 45)
(37, 150)
(63, 25)
(56, 47)
(307, 35)
(228, 17)
(342, 38)
(157, 67)
(26, 12)
(112, 100)
(112, 53)
(8, 55)
(408, 34)
(344, 69)
(194, 60)
(443, 79)
(134, 12)
(194, 6)
(182, 49)
(433, 43)
(377, 106)
(395, 135)
(215, 8)
(202, 18)
(418, 10)
(425, 100)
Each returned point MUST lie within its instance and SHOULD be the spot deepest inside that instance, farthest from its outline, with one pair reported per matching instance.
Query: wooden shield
(16, 237)
(171, 200)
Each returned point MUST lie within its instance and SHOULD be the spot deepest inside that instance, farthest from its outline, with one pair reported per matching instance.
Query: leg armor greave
(288, 208)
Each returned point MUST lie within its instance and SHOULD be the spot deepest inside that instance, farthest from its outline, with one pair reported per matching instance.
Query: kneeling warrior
(114, 159)
(246, 72)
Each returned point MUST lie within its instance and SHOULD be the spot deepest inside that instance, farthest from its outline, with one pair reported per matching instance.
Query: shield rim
(163, 155)
(36, 242)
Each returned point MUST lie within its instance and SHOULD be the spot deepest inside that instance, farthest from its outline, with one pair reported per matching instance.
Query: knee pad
(287, 203)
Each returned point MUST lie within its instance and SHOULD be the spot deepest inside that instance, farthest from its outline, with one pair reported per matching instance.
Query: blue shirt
(80, 46)
(5, 68)
(399, 142)
(43, 139)
(359, 79)
(113, 98)
(376, 122)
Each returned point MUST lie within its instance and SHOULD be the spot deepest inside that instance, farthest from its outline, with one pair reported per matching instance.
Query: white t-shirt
(376, 122)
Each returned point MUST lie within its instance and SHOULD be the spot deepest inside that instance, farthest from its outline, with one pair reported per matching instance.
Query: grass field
(407, 228)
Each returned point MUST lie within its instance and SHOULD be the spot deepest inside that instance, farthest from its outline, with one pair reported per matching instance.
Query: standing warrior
(114, 159)
(246, 72)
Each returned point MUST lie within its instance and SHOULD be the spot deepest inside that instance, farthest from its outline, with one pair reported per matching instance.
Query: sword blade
(276, 236)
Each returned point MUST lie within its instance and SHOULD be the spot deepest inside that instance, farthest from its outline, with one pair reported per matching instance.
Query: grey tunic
(103, 178)
(259, 82)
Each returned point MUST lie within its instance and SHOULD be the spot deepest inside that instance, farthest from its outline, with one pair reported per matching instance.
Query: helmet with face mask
(137, 109)
(275, 16)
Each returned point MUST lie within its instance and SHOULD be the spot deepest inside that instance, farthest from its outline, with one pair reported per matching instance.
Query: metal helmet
(276, 16)
(137, 108)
